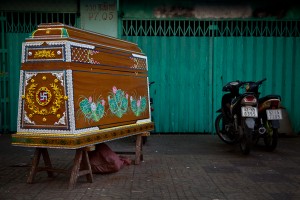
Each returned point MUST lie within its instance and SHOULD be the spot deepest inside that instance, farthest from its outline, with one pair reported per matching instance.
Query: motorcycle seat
(272, 96)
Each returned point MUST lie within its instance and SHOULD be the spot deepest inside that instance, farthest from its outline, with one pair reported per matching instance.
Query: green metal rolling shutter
(190, 61)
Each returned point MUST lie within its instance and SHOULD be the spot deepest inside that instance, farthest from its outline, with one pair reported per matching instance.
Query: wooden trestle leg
(35, 162)
(139, 147)
(138, 150)
(80, 167)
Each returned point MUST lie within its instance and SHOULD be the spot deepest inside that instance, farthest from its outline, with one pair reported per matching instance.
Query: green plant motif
(138, 106)
(118, 102)
(92, 110)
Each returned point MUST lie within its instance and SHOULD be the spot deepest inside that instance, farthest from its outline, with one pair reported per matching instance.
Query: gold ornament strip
(75, 141)
(45, 53)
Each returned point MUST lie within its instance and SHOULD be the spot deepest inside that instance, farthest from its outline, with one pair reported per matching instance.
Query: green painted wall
(14, 62)
(189, 73)
(181, 75)
(254, 58)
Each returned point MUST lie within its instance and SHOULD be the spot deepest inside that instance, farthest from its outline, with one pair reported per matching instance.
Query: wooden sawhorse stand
(81, 164)
(80, 167)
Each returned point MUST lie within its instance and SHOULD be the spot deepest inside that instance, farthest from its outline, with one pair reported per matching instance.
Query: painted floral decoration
(118, 102)
(139, 105)
(92, 110)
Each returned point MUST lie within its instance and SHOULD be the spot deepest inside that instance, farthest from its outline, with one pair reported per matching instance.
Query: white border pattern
(20, 100)
(71, 108)
(70, 93)
(141, 56)
(62, 120)
(29, 44)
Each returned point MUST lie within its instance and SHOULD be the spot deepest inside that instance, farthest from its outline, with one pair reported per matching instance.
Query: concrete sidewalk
(174, 167)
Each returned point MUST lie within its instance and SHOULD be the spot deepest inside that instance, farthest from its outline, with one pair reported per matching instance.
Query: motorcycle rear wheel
(223, 135)
(271, 139)
(246, 140)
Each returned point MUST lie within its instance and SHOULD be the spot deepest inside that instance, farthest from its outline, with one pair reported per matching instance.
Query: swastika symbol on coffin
(43, 96)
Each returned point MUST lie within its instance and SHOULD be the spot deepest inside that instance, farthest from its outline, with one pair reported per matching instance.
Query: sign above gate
(99, 16)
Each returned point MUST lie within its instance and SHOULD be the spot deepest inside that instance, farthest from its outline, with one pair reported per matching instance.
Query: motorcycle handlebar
(257, 83)
(261, 81)
(151, 83)
(231, 86)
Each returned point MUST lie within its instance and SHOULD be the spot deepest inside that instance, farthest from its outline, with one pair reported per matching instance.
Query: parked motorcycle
(269, 114)
(236, 121)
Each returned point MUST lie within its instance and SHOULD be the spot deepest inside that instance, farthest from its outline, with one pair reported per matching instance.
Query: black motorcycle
(236, 121)
(269, 114)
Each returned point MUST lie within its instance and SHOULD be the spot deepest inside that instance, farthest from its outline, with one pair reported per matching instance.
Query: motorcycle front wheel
(223, 135)
(271, 138)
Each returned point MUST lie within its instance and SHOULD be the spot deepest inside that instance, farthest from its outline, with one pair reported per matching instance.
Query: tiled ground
(174, 167)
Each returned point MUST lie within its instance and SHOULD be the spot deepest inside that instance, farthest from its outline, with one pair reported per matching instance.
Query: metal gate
(15, 27)
(190, 61)
(3, 74)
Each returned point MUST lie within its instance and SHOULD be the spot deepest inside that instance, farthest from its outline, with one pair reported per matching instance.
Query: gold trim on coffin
(44, 54)
(75, 141)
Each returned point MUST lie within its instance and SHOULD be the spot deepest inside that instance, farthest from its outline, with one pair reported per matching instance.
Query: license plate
(249, 111)
(274, 114)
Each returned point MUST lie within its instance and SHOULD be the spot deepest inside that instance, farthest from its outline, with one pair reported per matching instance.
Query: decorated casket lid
(59, 31)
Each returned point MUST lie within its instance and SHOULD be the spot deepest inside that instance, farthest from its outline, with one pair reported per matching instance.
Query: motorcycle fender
(250, 122)
(275, 124)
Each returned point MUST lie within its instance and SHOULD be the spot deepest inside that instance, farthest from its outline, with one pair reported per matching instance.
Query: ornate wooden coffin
(79, 88)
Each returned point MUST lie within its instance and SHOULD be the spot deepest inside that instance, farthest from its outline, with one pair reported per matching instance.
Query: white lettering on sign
(101, 11)
(99, 16)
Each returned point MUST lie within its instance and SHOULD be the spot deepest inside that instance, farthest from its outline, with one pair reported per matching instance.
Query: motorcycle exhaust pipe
(262, 130)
